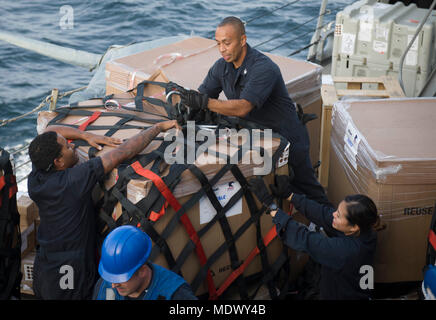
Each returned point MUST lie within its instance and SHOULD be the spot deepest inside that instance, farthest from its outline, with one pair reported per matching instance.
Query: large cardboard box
(201, 212)
(176, 62)
(385, 149)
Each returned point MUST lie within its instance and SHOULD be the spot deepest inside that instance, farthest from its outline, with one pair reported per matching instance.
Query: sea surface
(26, 77)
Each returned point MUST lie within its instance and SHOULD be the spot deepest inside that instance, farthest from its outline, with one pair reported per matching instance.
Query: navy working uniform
(340, 256)
(67, 231)
(164, 285)
(259, 81)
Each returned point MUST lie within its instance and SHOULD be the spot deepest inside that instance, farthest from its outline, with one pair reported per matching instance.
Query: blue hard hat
(430, 279)
(124, 250)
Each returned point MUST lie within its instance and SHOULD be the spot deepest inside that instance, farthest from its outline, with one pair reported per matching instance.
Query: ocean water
(26, 77)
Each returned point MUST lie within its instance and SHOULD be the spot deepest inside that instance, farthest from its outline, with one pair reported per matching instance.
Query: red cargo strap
(91, 119)
(12, 190)
(168, 195)
(94, 117)
(272, 233)
(432, 239)
(154, 216)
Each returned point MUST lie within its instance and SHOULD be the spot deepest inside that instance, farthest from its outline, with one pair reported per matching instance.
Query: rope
(286, 32)
(40, 106)
(107, 50)
(304, 48)
(18, 150)
(22, 164)
(270, 12)
(301, 36)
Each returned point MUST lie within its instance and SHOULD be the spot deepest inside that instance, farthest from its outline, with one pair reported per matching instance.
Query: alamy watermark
(67, 17)
(67, 280)
(229, 146)
(367, 280)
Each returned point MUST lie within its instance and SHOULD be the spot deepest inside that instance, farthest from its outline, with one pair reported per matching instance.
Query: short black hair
(235, 22)
(361, 210)
(44, 149)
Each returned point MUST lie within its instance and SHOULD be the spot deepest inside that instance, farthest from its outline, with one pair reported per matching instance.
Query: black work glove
(172, 86)
(282, 187)
(194, 99)
(259, 189)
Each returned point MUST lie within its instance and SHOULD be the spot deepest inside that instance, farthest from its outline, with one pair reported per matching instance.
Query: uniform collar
(246, 58)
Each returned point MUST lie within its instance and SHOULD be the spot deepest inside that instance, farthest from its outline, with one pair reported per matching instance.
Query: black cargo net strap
(92, 151)
(160, 240)
(139, 98)
(139, 213)
(256, 215)
(225, 226)
(10, 237)
(180, 112)
(206, 188)
(135, 213)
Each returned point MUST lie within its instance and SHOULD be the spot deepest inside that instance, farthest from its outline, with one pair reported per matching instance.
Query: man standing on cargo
(65, 265)
(255, 90)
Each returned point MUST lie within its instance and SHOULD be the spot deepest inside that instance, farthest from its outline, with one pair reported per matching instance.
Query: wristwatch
(272, 207)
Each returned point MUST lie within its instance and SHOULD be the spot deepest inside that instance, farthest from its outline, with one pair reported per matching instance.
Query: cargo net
(178, 237)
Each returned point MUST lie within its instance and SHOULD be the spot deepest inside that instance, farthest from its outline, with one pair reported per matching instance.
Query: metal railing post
(314, 49)
(54, 99)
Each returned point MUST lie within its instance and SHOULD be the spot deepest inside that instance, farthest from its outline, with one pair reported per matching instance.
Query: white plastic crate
(413, 80)
(379, 33)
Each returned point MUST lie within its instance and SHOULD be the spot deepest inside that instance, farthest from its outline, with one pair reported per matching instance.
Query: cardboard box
(27, 263)
(176, 61)
(385, 149)
(385, 87)
(214, 238)
(191, 184)
(200, 212)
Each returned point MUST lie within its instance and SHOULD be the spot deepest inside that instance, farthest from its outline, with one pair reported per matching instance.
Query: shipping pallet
(386, 87)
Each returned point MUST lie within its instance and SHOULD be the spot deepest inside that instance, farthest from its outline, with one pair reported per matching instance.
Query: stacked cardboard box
(28, 223)
(200, 213)
(385, 149)
(187, 63)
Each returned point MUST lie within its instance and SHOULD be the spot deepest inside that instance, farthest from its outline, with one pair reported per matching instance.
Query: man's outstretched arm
(235, 108)
(134, 145)
(94, 140)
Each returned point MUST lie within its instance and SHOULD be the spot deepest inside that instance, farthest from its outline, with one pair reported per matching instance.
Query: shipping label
(412, 54)
(380, 46)
(348, 42)
(365, 31)
(224, 193)
(352, 139)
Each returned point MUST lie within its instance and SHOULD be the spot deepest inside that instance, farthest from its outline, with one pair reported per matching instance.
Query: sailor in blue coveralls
(255, 90)
(126, 274)
(349, 246)
(62, 189)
